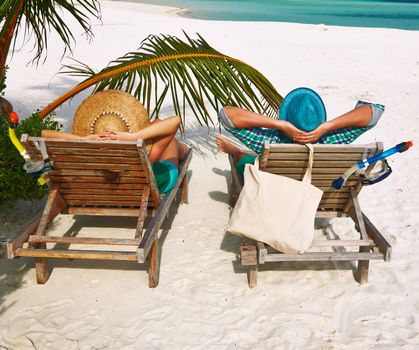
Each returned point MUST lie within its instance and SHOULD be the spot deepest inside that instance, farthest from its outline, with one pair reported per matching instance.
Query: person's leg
(229, 148)
(173, 152)
(164, 157)
(162, 135)
(240, 157)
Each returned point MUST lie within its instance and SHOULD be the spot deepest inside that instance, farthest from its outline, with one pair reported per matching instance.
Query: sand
(203, 301)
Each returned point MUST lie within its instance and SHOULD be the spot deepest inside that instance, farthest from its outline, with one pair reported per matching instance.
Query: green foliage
(3, 81)
(14, 184)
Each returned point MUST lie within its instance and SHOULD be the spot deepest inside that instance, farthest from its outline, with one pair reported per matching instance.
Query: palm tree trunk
(7, 34)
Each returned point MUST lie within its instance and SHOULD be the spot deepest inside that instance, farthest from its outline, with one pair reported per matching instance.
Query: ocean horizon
(400, 14)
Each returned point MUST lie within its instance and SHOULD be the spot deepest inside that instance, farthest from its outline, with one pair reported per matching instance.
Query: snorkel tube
(363, 164)
(33, 169)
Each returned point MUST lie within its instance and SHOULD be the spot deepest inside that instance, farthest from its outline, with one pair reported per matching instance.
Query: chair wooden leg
(184, 186)
(363, 265)
(355, 213)
(252, 273)
(153, 267)
(52, 205)
(42, 270)
(248, 257)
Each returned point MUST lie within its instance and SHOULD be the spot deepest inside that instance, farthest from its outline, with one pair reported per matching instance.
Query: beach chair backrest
(97, 174)
(330, 162)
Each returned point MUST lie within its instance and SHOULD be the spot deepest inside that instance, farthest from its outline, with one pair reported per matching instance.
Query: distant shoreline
(360, 18)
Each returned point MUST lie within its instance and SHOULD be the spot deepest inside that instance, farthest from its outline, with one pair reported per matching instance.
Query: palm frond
(192, 72)
(39, 18)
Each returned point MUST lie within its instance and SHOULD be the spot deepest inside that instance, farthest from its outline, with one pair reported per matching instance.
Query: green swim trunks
(246, 159)
(166, 174)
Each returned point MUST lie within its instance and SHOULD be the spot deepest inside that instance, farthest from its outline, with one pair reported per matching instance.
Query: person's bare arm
(164, 127)
(54, 134)
(359, 117)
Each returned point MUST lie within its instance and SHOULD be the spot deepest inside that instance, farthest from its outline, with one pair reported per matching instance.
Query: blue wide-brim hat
(304, 108)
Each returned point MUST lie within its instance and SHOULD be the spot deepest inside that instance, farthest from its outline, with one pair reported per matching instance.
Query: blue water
(353, 13)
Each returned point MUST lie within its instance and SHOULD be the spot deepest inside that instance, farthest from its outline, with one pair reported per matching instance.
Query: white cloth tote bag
(277, 210)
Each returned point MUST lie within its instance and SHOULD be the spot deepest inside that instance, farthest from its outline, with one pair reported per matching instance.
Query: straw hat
(304, 108)
(112, 110)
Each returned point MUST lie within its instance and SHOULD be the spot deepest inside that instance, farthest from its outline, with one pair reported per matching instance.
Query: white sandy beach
(203, 300)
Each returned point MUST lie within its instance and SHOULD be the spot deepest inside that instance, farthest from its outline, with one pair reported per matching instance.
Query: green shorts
(246, 159)
(166, 174)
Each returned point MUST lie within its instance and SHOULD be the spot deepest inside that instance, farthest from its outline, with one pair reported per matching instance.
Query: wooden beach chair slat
(100, 179)
(330, 161)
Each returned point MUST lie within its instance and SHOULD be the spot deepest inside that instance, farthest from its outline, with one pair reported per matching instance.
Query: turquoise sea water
(354, 13)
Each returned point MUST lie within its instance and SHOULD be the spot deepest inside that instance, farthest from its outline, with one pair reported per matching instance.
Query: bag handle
(307, 175)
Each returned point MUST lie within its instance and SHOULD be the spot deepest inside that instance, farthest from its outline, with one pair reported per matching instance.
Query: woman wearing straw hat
(302, 119)
(117, 115)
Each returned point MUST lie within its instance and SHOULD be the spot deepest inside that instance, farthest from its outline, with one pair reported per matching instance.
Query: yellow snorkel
(33, 169)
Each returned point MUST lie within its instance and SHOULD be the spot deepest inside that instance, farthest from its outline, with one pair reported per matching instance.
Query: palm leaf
(38, 18)
(191, 71)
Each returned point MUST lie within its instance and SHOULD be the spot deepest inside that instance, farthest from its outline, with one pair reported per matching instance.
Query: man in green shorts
(302, 119)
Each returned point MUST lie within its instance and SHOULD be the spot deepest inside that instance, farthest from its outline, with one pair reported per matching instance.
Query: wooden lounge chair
(330, 161)
(98, 178)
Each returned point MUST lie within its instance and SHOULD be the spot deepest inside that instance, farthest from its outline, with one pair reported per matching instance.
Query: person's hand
(312, 136)
(119, 135)
(97, 137)
(290, 130)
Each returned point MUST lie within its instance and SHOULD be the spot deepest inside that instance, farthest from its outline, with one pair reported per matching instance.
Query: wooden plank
(103, 159)
(324, 256)
(143, 212)
(92, 152)
(49, 206)
(155, 194)
(83, 240)
(262, 251)
(265, 155)
(105, 202)
(298, 175)
(248, 255)
(357, 215)
(101, 191)
(336, 194)
(329, 213)
(382, 244)
(103, 211)
(98, 179)
(100, 186)
(105, 195)
(323, 148)
(347, 157)
(281, 163)
(163, 208)
(184, 186)
(41, 263)
(252, 274)
(77, 254)
(87, 143)
(114, 167)
(332, 201)
(20, 238)
(332, 173)
(236, 186)
(342, 243)
(154, 265)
